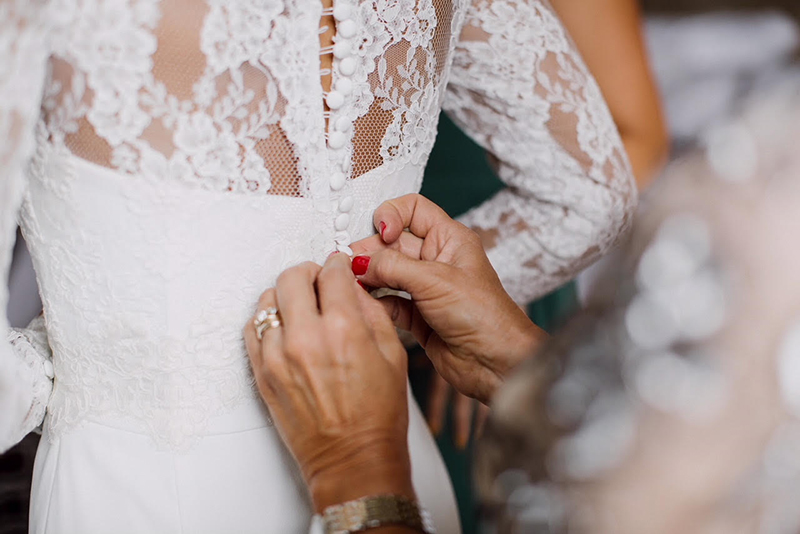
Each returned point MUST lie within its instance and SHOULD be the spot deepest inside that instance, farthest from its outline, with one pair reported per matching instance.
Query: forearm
(538, 243)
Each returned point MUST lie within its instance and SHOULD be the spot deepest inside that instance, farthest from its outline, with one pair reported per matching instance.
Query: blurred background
(707, 57)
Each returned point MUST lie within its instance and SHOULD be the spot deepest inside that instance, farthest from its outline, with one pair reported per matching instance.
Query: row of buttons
(340, 129)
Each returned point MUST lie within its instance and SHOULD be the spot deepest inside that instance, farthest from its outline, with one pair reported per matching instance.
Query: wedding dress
(167, 159)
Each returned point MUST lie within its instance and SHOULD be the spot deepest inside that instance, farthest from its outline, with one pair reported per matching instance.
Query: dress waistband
(169, 430)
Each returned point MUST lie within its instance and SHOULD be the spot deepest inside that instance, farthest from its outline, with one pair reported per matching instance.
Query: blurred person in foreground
(671, 405)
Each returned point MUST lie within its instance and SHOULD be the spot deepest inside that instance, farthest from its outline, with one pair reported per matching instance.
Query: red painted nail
(383, 228)
(361, 265)
(362, 285)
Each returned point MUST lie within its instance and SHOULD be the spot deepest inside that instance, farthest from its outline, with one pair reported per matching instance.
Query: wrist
(377, 469)
(520, 342)
(528, 341)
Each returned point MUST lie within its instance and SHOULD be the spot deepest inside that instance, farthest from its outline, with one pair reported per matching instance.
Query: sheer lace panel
(410, 68)
(204, 91)
(178, 88)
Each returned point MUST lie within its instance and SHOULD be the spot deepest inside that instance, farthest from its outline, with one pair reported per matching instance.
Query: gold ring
(266, 320)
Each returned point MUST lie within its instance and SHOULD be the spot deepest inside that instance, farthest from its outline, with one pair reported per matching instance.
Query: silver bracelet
(377, 511)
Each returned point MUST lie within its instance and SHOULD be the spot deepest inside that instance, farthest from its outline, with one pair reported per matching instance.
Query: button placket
(340, 127)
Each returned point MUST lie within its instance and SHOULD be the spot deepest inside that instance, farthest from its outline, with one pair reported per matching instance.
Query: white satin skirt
(103, 479)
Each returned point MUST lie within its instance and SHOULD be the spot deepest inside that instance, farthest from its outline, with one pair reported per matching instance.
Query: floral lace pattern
(31, 346)
(175, 134)
(567, 181)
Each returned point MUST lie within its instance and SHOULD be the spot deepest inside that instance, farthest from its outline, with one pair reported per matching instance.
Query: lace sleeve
(520, 89)
(24, 382)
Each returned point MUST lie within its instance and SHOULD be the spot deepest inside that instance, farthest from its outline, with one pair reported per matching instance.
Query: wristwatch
(377, 511)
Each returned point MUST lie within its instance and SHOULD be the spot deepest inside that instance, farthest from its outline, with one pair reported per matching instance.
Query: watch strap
(376, 511)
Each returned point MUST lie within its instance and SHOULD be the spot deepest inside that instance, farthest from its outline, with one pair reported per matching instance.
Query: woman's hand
(472, 331)
(334, 378)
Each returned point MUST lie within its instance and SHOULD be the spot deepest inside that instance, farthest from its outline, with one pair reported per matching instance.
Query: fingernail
(361, 265)
(383, 228)
(362, 286)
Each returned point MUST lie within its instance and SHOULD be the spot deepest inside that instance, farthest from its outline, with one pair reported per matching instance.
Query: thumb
(394, 270)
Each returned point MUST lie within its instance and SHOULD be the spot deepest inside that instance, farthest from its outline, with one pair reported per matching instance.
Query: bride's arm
(520, 89)
(608, 34)
(25, 372)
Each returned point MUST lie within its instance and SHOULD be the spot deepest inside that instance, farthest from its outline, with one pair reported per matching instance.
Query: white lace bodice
(181, 153)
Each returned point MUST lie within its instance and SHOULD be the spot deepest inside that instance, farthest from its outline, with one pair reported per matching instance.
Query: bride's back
(188, 151)
(244, 96)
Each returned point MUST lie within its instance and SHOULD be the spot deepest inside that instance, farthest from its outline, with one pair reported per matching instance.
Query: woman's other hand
(463, 412)
(472, 331)
(334, 378)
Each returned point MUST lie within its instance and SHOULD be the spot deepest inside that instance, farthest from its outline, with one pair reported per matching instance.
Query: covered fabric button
(344, 249)
(337, 140)
(346, 204)
(343, 124)
(342, 12)
(347, 66)
(346, 28)
(342, 221)
(344, 86)
(337, 181)
(341, 49)
(49, 370)
(335, 100)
